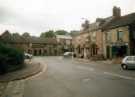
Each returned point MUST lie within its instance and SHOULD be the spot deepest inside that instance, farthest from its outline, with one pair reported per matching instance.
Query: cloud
(36, 16)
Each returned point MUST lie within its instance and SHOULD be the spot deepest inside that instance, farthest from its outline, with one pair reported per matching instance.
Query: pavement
(109, 62)
(11, 83)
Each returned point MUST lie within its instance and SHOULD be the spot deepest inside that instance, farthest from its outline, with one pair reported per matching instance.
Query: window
(134, 58)
(94, 36)
(109, 36)
(119, 35)
(129, 59)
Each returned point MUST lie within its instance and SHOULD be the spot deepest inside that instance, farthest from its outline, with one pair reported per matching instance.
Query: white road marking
(120, 76)
(86, 68)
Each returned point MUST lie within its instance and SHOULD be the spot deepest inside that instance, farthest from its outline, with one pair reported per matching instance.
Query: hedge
(10, 59)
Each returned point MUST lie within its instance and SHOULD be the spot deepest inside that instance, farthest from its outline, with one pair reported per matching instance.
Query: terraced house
(39, 46)
(33, 45)
(88, 44)
(107, 38)
(64, 43)
(119, 35)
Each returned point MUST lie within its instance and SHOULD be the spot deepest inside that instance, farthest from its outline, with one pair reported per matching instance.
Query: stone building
(33, 45)
(119, 35)
(81, 49)
(81, 42)
(42, 47)
(109, 37)
(64, 43)
(89, 43)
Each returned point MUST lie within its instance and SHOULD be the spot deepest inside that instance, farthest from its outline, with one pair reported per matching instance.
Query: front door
(108, 51)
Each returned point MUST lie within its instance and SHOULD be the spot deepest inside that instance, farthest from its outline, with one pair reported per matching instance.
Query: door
(108, 51)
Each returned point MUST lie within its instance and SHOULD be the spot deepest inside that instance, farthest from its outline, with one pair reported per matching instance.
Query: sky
(36, 16)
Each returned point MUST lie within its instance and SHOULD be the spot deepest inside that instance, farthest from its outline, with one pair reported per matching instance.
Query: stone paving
(12, 84)
(14, 89)
(2, 87)
(29, 70)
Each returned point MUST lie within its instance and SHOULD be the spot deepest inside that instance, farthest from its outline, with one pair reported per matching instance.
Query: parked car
(28, 56)
(128, 62)
(68, 54)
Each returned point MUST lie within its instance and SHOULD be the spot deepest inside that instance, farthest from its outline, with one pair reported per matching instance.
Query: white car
(28, 56)
(68, 54)
(128, 62)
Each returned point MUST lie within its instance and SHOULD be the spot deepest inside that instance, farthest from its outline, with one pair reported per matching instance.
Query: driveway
(67, 77)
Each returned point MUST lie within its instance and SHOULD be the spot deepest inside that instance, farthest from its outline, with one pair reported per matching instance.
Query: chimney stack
(116, 12)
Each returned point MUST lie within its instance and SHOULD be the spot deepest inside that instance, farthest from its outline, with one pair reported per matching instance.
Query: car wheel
(124, 66)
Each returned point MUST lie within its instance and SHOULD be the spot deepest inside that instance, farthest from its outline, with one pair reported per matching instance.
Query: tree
(48, 34)
(74, 33)
(16, 34)
(26, 35)
(11, 58)
(6, 36)
(61, 32)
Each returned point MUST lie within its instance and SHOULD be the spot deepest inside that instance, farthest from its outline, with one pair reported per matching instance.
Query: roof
(97, 25)
(94, 26)
(42, 40)
(9, 38)
(64, 36)
(12, 39)
(118, 22)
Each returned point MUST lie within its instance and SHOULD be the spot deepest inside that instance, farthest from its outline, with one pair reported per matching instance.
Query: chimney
(116, 12)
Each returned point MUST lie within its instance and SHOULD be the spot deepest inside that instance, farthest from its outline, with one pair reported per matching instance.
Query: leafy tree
(6, 36)
(26, 34)
(61, 32)
(48, 34)
(74, 33)
(16, 34)
(11, 59)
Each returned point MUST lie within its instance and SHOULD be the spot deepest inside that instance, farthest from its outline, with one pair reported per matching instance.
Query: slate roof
(42, 40)
(100, 22)
(119, 22)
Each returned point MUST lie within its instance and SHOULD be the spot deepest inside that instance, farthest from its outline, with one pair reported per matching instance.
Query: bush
(10, 58)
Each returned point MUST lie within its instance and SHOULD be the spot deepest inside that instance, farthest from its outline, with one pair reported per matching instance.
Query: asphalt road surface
(67, 77)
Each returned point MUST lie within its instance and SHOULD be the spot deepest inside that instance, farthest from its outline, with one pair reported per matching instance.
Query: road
(66, 77)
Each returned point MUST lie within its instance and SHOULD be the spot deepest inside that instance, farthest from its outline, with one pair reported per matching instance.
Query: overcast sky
(36, 16)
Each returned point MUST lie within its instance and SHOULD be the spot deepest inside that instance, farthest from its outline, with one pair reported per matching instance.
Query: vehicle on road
(128, 62)
(28, 56)
(68, 54)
